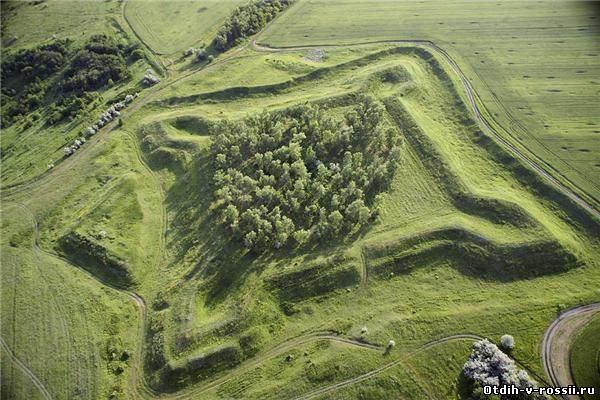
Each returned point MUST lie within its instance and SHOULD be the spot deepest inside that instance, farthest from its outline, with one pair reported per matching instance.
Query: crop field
(518, 55)
(184, 24)
(26, 24)
(119, 279)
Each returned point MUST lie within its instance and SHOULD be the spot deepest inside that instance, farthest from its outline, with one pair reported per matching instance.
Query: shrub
(201, 55)
(246, 21)
(507, 342)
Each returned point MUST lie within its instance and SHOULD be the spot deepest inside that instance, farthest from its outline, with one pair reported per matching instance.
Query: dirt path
(367, 375)
(142, 390)
(555, 350)
(34, 379)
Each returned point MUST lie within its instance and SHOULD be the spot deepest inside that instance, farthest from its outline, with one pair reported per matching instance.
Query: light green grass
(34, 24)
(58, 321)
(403, 307)
(178, 25)
(148, 186)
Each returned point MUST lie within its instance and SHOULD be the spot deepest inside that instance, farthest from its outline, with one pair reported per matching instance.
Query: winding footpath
(555, 350)
(407, 356)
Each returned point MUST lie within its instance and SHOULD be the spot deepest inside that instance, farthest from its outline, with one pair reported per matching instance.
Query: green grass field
(585, 359)
(519, 57)
(26, 24)
(184, 24)
(469, 242)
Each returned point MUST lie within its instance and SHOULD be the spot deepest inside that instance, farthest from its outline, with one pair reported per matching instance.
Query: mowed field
(178, 26)
(26, 24)
(535, 65)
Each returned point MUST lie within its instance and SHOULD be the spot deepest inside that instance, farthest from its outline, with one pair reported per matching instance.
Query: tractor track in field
(34, 379)
(555, 353)
(139, 302)
(473, 99)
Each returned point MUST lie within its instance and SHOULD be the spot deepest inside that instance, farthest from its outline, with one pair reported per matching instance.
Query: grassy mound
(472, 254)
(92, 256)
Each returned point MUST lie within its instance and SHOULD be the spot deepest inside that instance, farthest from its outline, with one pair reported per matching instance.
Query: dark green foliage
(96, 258)
(201, 55)
(40, 62)
(179, 373)
(100, 61)
(24, 77)
(246, 21)
(253, 340)
(299, 175)
(60, 78)
(155, 350)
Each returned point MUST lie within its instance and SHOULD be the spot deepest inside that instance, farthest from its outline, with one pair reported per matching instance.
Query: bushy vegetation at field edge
(60, 78)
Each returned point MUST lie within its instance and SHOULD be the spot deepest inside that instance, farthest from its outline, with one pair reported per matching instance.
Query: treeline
(295, 176)
(246, 21)
(61, 78)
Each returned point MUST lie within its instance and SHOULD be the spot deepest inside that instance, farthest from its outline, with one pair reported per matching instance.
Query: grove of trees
(300, 175)
(246, 21)
(60, 77)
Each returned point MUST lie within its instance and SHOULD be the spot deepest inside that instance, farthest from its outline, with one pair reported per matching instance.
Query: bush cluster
(299, 175)
(246, 21)
(100, 62)
(61, 78)
(489, 366)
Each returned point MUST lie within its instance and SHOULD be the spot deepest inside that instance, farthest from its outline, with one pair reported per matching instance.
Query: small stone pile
(69, 150)
(149, 78)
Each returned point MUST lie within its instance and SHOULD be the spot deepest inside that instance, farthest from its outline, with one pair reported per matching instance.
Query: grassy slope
(57, 320)
(29, 150)
(183, 24)
(585, 359)
(404, 307)
(36, 24)
(519, 57)
(85, 312)
(206, 281)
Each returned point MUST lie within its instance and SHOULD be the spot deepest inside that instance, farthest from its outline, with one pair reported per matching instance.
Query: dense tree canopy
(294, 176)
(69, 75)
(101, 61)
(248, 20)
